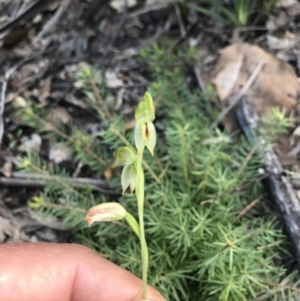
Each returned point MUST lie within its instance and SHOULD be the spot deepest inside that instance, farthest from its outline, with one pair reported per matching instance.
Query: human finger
(64, 272)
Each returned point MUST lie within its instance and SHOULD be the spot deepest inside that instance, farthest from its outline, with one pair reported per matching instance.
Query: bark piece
(278, 184)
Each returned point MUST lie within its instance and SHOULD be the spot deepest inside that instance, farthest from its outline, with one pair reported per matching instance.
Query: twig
(50, 126)
(230, 191)
(46, 175)
(276, 243)
(85, 181)
(56, 179)
(295, 151)
(199, 77)
(37, 181)
(4, 81)
(179, 19)
(241, 29)
(251, 153)
(273, 291)
(149, 8)
(117, 31)
(235, 99)
(100, 99)
(65, 207)
(77, 170)
(30, 12)
(52, 22)
(248, 207)
(285, 287)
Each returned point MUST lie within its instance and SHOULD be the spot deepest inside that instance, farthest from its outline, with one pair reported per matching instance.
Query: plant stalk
(140, 195)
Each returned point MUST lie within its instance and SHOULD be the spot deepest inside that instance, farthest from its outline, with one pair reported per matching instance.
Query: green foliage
(159, 57)
(234, 13)
(276, 123)
(266, 6)
(205, 242)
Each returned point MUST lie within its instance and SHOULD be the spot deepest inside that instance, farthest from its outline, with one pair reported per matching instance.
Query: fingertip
(99, 278)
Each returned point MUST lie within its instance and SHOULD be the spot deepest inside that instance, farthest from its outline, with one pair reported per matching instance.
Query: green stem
(140, 195)
(133, 224)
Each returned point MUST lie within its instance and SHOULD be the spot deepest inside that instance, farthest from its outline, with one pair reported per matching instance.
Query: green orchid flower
(144, 132)
(127, 157)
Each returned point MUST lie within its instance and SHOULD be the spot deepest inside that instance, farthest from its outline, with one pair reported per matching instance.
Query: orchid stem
(140, 194)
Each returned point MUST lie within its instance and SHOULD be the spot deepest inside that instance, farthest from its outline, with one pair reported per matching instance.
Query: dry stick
(19, 12)
(197, 70)
(91, 181)
(57, 180)
(235, 99)
(248, 207)
(117, 31)
(276, 243)
(4, 80)
(37, 180)
(51, 127)
(179, 19)
(64, 207)
(272, 292)
(148, 8)
(52, 22)
(78, 168)
(251, 153)
(100, 99)
(35, 183)
(30, 12)
(230, 191)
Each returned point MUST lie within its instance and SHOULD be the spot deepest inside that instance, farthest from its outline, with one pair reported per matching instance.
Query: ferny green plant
(213, 232)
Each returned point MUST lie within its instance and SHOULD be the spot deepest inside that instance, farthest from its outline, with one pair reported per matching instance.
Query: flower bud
(124, 155)
(145, 111)
(105, 212)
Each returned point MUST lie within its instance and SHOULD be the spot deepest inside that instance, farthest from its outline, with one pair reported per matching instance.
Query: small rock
(285, 42)
(285, 3)
(112, 79)
(20, 101)
(118, 5)
(59, 116)
(32, 143)
(275, 22)
(59, 153)
(6, 169)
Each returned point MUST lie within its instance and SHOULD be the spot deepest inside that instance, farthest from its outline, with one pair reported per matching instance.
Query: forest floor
(45, 44)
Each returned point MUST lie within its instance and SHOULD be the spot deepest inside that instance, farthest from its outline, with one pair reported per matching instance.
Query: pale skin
(64, 272)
